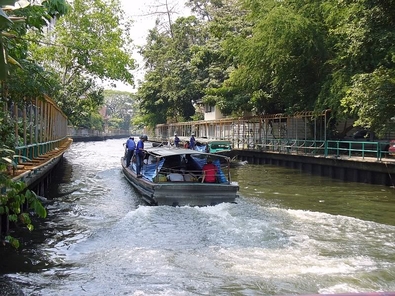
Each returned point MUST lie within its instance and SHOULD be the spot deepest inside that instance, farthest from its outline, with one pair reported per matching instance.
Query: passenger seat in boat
(188, 178)
(175, 177)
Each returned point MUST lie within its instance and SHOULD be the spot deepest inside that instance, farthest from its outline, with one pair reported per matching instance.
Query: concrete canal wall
(98, 138)
(351, 169)
(87, 135)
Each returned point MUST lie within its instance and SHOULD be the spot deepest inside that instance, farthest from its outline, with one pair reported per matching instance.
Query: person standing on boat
(192, 142)
(130, 146)
(176, 140)
(140, 155)
(209, 172)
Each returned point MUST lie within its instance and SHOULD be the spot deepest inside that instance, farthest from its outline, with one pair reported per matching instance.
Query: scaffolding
(302, 131)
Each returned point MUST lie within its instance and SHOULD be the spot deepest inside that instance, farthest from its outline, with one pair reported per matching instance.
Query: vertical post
(31, 123)
(16, 123)
(36, 123)
(24, 123)
(42, 125)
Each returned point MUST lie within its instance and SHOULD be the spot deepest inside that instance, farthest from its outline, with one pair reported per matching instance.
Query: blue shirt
(192, 143)
(176, 140)
(130, 144)
(140, 147)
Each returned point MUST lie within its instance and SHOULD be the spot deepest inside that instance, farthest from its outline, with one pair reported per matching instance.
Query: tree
(371, 99)
(279, 61)
(91, 43)
(6, 22)
(362, 47)
(275, 56)
(170, 88)
(213, 60)
(24, 79)
(24, 16)
(120, 108)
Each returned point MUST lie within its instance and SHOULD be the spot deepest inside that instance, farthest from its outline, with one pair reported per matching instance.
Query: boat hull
(181, 193)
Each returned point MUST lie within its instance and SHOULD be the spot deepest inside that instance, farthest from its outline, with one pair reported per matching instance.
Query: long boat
(173, 176)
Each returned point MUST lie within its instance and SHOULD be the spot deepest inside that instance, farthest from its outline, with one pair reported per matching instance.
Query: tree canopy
(259, 56)
(89, 44)
(270, 56)
(120, 108)
(70, 51)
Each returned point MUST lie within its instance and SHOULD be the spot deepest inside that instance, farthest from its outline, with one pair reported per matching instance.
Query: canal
(289, 233)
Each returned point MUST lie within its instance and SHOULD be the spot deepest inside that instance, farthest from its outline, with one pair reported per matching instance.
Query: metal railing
(357, 148)
(326, 148)
(35, 150)
(292, 146)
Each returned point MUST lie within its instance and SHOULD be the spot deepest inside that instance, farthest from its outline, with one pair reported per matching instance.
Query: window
(208, 108)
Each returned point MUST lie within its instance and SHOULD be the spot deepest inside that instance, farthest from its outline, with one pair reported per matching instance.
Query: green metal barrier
(326, 148)
(35, 150)
(355, 148)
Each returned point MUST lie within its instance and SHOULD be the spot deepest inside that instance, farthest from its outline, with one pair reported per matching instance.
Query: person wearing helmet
(176, 140)
(192, 142)
(130, 147)
(140, 155)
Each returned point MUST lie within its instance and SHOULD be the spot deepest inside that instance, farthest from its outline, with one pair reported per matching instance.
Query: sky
(139, 11)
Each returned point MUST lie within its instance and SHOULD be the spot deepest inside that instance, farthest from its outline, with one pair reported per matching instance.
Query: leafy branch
(16, 201)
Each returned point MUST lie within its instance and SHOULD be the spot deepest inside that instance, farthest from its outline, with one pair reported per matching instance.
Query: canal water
(289, 233)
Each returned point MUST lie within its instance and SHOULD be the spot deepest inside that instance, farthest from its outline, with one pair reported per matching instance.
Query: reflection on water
(289, 233)
(289, 188)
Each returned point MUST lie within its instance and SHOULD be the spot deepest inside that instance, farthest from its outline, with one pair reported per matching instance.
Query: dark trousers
(129, 156)
(139, 163)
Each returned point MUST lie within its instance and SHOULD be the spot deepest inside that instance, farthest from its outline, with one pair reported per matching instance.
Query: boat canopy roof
(170, 151)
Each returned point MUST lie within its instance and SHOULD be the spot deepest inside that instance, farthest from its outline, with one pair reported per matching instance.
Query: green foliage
(7, 127)
(91, 43)
(371, 99)
(120, 108)
(31, 81)
(361, 41)
(12, 241)
(17, 22)
(280, 62)
(141, 121)
(171, 86)
(14, 196)
(5, 23)
(276, 57)
(95, 122)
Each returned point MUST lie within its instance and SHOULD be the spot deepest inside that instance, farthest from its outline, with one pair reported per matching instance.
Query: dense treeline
(269, 56)
(259, 56)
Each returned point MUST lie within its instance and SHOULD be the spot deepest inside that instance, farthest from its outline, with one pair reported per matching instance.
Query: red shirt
(210, 173)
